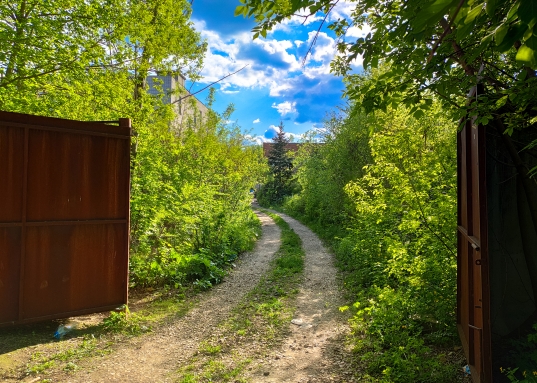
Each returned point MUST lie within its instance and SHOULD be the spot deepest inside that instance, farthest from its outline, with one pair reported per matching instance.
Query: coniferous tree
(281, 168)
(279, 161)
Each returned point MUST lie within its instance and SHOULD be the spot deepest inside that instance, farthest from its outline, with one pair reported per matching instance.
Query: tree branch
(458, 50)
(446, 31)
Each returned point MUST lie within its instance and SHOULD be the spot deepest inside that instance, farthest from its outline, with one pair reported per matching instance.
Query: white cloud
(270, 63)
(342, 10)
(275, 64)
(275, 127)
(358, 32)
(324, 49)
(277, 89)
(300, 18)
(266, 61)
(285, 107)
(256, 140)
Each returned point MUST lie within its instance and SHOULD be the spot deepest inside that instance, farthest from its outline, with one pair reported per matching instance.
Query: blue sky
(274, 86)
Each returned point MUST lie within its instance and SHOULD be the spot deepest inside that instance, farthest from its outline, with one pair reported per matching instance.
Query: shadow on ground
(22, 336)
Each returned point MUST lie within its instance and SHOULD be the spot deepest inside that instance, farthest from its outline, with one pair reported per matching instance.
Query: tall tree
(280, 164)
(57, 54)
(279, 161)
(39, 38)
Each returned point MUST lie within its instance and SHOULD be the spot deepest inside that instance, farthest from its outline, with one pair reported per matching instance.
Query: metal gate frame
(473, 287)
(64, 217)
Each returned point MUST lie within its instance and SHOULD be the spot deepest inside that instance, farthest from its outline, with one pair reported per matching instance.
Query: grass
(262, 317)
(32, 350)
(66, 356)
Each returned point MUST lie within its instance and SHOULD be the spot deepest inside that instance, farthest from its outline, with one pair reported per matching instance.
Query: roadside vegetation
(382, 191)
(190, 204)
(388, 202)
(257, 324)
(190, 177)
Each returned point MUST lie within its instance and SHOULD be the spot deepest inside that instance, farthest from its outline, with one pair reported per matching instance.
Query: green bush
(523, 355)
(190, 206)
(383, 189)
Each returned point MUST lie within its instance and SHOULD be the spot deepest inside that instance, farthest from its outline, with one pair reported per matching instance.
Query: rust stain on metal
(64, 217)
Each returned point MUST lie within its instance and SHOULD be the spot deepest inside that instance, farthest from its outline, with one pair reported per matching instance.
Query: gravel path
(150, 358)
(314, 351)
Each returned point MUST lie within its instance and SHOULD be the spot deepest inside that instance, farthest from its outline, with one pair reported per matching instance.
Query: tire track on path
(151, 358)
(315, 349)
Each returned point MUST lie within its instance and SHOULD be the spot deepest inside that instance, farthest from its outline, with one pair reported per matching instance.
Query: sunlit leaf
(527, 55)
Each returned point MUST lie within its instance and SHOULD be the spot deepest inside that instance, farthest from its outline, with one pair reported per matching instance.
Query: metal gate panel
(64, 217)
(11, 173)
(70, 177)
(473, 300)
(10, 251)
(71, 267)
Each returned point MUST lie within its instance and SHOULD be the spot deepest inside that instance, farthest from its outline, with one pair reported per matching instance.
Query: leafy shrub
(124, 322)
(190, 207)
(524, 356)
(384, 190)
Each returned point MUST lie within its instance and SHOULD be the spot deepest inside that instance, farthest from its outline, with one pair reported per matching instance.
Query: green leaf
(239, 10)
(527, 56)
(512, 12)
(527, 11)
(490, 7)
(532, 42)
(514, 33)
(418, 114)
(431, 14)
(501, 102)
(473, 14)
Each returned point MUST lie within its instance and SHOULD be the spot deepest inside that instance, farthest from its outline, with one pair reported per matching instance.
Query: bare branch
(457, 49)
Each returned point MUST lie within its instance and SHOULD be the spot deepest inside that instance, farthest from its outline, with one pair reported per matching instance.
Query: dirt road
(311, 349)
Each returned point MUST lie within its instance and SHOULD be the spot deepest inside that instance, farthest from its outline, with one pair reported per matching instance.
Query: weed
(66, 358)
(209, 349)
(41, 367)
(71, 367)
(263, 314)
(124, 322)
(524, 356)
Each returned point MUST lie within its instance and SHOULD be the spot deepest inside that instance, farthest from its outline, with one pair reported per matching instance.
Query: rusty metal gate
(64, 217)
(473, 299)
